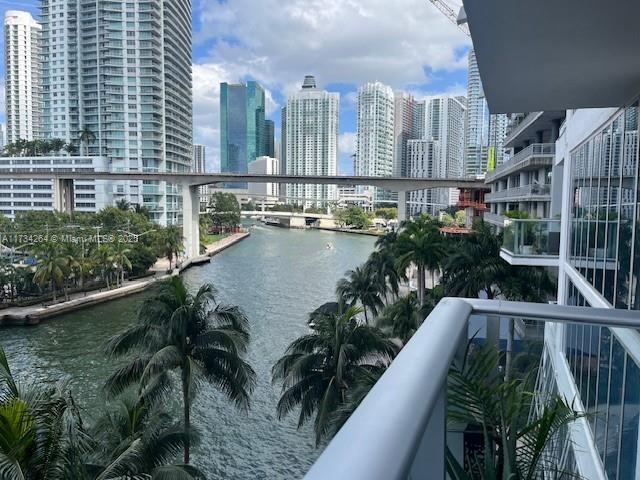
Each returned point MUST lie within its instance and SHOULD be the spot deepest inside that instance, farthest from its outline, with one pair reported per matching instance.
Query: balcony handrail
(535, 149)
(537, 220)
(398, 430)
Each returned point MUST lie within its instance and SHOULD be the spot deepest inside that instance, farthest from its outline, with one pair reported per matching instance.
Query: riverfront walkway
(34, 314)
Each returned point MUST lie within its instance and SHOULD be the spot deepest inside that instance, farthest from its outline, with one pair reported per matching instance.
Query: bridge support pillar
(402, 206)
(63, 195)
(263, 207)
(191, 220)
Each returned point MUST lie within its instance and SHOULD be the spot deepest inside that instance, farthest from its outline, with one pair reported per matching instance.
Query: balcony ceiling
(556, 55)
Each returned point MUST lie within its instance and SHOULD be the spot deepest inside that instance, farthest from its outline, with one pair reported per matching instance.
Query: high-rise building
(484, 133)
(23, 81)
(199, 158)
(268, 192)
(269, 149)
(3, 135)
(424, 157)
(408, 125)
(375, 129)
(445, 119)
(310, 141)
(127, 96)
(242, 126)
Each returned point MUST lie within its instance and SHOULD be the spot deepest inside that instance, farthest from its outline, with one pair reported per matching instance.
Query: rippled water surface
(277, 276)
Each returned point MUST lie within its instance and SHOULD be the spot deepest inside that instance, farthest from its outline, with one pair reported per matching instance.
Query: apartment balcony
(533, 192)
(531, 242)
(531, 158)
(399, 430)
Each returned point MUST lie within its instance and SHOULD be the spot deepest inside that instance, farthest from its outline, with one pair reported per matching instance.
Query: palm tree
(136, 427)
(104, 260)
(516, 446)
(56, 144)
(202, 339)
(171, 242)
(86, 137)
(402, 318)
(420, 244)
(318, 369)
(382, 264)
(475, 266)
(142, 210)
(360, 286)
(121, 260)
(123, 204)
(51, 267)
(70, 148)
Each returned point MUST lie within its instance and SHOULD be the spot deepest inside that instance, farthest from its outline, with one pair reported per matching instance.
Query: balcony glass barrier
(529, 237)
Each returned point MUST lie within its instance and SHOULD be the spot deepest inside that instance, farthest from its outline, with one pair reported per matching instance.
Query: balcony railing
(494, 218)
(399, 429)
(536, 191)
(532, 237)
(543, 152)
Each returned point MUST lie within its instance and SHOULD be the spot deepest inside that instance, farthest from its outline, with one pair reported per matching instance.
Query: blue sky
(406, 44)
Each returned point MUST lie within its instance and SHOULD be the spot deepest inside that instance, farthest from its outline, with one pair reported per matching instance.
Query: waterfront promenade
(34, 314)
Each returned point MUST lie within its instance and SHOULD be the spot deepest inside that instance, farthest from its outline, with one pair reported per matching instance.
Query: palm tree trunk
(187, 416)
(421, 284)
(366, 319)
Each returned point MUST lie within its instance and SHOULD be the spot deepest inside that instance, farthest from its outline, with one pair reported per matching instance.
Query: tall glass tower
(242, 126)
(122, 71)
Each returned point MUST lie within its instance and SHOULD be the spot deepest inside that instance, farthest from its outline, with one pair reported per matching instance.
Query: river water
(277, 276)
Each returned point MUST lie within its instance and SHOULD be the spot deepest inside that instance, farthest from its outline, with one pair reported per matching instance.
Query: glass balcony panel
(532, 237)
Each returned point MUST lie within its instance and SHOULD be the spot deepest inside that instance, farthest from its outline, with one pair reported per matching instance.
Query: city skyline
(234, 56)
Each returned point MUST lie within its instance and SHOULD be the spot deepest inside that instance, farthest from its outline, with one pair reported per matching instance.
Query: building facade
(242, 126)
(269, 139)
(424, 156)
(375, 134)
(199, 158)
(445, 120)
(484, 133)
(117, 82)
(310, 143)
(408, 124)
(32, 195)
(23, 76)
(268, 192)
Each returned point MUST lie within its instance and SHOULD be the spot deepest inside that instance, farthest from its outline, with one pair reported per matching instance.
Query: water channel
(277, 276)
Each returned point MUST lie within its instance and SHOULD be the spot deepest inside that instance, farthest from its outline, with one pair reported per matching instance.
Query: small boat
(330, 246)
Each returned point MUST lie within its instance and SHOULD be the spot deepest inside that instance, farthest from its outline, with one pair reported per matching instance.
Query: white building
(409, 117)
(3, 135)
(18, 195)
(264, 192)
(375, 133)
(311, 140)
(445, 121)
(484, 133)
(199, 158)
(23, 82)
(424, 156)
(123, 73)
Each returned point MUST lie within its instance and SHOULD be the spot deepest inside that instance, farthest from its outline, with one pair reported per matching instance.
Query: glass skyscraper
(242, 126)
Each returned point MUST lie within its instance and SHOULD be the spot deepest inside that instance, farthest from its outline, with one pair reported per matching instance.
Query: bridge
(63, 187)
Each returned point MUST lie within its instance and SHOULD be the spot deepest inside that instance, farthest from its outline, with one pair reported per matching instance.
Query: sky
(407, 44)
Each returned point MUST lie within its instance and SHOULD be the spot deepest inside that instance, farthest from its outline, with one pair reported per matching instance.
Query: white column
(402, 205)
(191, 220)
(63, 196)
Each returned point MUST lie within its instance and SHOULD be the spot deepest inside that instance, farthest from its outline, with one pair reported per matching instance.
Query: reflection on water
(277, 276)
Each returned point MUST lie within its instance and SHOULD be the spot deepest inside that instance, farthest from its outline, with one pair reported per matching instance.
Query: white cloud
(277, 42)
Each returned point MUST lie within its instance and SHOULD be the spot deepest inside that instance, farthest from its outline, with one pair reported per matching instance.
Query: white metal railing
(524, 191)
(399, 429)
(516, 162)
(494, 218)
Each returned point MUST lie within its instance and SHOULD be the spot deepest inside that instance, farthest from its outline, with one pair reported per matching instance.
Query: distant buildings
(445, 120)
(269, 139)
(484, 133)
(23, 80)
(408, 124)
(199, 158)
(267, 192)
(310, 140)
(375, 133)
(424, 156)
(117, 83)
